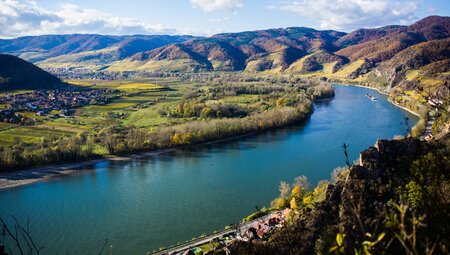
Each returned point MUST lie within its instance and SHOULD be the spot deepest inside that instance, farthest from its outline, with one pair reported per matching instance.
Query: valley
(410, 63)
(144, 141)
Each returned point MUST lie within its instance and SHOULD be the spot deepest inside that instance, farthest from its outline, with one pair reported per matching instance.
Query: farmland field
(31, 134)
(121, 85)
(139, 86)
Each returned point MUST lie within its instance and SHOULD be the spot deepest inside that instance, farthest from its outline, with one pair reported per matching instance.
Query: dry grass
(139, 86)
(412, 75)
(349, 69)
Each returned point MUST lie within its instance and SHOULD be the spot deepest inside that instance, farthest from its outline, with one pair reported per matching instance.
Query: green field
(31, 134)
(126, 85)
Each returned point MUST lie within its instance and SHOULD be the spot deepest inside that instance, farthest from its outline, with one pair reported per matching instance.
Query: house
(41, 113)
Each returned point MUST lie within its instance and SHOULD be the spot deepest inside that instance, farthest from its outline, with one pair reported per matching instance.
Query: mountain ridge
(18, 74)
(342, 55)
(38, 48)
(356, 56)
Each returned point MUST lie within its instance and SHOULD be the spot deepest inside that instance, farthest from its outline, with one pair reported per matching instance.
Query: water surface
(143, 204)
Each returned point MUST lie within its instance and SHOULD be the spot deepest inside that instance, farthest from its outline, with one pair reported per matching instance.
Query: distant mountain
(365, 35)
(361, 55)
(395, 39)
(292, 50)
(426, 59)
(79, 48)
(18, 74)
(416, 55)
(273, 49)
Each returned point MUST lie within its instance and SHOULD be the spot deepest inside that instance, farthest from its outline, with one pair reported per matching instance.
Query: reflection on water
(162, 199)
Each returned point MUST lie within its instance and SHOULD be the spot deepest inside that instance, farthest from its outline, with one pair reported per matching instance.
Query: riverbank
(366, 87)
(387, 97)
(24, 177)
(378, 181)
(46, 173)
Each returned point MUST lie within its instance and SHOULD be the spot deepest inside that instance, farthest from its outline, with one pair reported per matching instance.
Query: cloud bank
(352, 14)
(215, 5)
(20, 18)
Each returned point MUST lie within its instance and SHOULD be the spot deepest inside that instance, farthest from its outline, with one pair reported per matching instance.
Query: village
(70, 73)
(254, 231)
(44, 102)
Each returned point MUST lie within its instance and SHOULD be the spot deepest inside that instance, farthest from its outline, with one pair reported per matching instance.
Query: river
(146, 203)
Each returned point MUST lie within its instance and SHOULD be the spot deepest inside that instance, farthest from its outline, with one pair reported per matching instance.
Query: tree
(285, 189)
(293, 204)
(186, 109)
(206, 113)
(302, 183)
(109, 140)
(187, 138)
(296, 192)
(278, 203)
(179, 108)
(176, 138)
(135, 138)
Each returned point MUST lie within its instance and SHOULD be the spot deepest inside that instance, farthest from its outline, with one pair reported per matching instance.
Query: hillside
(397, 39)
(273, 49)
(318, 61)
(364, 35)
(393, 201)
(17, 74)
(82, 50)
(416, 58)
(301, 51)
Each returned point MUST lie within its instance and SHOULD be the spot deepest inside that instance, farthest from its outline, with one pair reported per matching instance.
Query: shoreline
(362, 86)
(18, 178)
(386, 94)
(45, 173)
(404, 108)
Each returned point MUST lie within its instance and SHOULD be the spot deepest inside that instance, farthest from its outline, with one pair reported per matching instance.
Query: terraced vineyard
(31, 134)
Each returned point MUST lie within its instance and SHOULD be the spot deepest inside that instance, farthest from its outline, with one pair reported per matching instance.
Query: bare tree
(20, 236)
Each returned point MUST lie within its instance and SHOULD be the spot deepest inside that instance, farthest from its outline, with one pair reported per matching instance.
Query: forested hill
(18, 74)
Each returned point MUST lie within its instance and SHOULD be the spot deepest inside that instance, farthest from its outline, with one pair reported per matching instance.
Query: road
(207, 239)
(428, 128)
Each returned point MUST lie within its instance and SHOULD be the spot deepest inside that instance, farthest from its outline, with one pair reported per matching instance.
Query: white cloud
(26, 17)
(215, 5)
(353, 14)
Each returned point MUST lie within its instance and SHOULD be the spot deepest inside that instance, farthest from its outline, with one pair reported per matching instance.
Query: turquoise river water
(143, 204)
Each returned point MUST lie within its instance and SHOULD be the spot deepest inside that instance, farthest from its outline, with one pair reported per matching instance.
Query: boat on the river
(371, 97)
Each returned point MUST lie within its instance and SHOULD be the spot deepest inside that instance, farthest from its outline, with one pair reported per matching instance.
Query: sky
(205, 17)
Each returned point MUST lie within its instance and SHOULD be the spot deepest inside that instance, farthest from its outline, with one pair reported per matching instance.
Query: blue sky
(205, 17)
